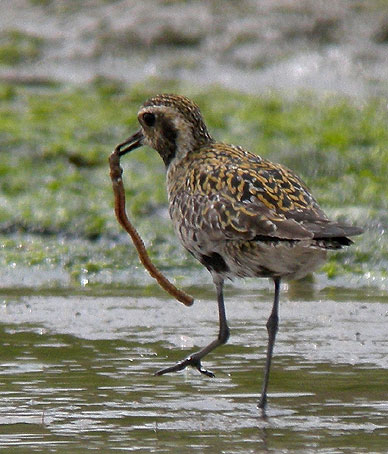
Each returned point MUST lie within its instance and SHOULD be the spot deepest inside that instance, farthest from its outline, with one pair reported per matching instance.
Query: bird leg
(272, 328)
(194, 360)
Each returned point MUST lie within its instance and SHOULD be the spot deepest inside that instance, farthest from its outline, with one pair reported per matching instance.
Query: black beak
(130, 144)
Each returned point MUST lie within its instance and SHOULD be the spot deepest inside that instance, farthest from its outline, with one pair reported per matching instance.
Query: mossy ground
(56, 198)
(18, 47)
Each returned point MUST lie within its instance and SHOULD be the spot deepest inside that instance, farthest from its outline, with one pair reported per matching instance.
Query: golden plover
(238, 214)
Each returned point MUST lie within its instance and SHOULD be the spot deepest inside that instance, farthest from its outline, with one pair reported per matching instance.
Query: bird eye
(149, 119)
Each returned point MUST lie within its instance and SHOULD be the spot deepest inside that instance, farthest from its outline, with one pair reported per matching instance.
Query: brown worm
(116, 173)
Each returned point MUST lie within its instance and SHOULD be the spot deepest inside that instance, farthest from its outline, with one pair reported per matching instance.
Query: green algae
(55, 190)
(17, 47)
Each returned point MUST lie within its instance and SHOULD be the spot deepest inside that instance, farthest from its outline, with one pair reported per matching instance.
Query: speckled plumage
(238, 214)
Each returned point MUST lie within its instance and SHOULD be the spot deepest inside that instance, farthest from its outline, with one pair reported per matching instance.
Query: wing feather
(236, 195)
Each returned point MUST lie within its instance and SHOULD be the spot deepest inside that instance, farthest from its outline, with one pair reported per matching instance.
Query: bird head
(170, 124)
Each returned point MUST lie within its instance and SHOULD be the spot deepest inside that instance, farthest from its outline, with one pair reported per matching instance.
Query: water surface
(76, 374)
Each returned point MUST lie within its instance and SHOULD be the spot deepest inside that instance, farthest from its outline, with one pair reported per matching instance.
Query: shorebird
(240, 215)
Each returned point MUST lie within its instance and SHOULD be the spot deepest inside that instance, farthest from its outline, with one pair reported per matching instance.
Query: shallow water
(336, 47)
(76, 374)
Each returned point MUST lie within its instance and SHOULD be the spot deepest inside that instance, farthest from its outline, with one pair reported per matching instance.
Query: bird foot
(189, 361)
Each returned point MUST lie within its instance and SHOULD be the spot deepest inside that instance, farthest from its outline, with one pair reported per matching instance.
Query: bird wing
(241, 196)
